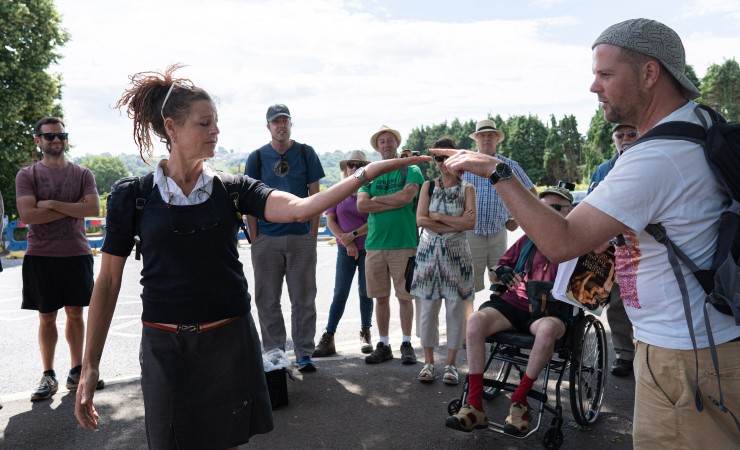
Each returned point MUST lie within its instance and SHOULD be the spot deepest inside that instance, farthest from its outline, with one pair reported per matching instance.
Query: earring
(174, 139)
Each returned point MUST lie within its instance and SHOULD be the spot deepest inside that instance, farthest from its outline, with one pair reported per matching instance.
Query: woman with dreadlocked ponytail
(202, 376)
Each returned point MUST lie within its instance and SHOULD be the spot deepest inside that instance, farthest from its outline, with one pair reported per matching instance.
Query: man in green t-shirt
(391, 240)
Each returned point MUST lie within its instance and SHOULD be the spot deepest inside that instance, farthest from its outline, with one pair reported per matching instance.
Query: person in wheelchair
(510, 311)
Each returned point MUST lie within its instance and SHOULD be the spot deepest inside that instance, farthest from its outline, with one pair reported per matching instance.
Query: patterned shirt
(492, 214)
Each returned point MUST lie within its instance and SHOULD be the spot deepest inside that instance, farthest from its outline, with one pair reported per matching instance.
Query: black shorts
(50, 283)
(522, 320)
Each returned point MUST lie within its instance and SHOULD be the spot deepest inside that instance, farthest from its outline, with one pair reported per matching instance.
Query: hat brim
(554, 192)
(500, 134)
(374, 138)
(273, 117)
(343, 163)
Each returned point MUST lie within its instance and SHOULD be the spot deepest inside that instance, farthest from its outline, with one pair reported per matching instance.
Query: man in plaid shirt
(488, 239)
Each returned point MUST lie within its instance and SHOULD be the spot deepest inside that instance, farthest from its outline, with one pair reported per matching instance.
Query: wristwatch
(502, 171)
(360, 175)
(354, 233)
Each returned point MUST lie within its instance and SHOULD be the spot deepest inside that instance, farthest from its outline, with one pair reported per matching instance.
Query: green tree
(106, 169)
(721, 89)
(525, 143)
(31, 35)
(598, 147)
(563, 151)
(691, 75)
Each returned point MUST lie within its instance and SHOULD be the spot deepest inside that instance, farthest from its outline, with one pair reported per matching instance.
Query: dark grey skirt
(204, 391)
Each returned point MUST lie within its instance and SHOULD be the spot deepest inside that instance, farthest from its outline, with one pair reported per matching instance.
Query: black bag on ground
(277, 386)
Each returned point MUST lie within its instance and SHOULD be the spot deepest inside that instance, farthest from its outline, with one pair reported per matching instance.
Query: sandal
(451, 376)
(427, 374)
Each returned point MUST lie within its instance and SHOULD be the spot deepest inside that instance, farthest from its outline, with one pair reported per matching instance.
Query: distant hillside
(231, 161)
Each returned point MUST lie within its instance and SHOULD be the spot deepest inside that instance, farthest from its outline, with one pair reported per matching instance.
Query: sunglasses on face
(440, 159)
(622, 134)
(355, 165)
(559, 208)
(50, 136)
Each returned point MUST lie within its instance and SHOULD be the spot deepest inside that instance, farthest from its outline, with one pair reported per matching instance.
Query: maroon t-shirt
(66, 236)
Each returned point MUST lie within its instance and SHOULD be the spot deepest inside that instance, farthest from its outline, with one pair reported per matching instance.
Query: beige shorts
(486, 251)
(382, 266)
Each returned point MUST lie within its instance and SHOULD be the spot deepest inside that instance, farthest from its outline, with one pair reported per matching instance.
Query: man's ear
(650, 73)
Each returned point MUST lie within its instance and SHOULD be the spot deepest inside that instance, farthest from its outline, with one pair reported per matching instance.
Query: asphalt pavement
(346, 404)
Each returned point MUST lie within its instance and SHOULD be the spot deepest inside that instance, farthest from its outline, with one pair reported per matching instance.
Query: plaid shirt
(492, 214)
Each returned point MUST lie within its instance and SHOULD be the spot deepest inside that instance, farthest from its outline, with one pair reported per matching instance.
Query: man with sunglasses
(54, 196)
(285, 250)
(621, 327)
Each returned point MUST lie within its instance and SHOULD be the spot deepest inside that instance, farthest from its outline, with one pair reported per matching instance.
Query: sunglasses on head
(355, 165)
(281, 168)
(50, 136)
(440, 158)
(621, 134)
(559, 208)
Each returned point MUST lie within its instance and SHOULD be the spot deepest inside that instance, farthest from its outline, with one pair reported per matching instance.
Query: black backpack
(721, 282)
(143, 187)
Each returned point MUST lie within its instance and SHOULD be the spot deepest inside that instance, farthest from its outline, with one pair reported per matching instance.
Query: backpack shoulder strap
(142, 188)
(259, 164)
(232, 183)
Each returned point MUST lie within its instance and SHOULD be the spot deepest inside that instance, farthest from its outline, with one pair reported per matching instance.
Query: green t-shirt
(393, 229)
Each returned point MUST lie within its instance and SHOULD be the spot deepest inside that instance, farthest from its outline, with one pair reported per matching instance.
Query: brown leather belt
(194, 327)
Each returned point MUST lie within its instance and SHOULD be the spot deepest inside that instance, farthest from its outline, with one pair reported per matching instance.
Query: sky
(345, 67)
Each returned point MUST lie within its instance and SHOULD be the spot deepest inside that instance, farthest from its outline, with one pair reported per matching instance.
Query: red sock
(475, 390)
(520, 394)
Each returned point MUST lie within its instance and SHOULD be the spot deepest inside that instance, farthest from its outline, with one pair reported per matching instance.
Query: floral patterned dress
(444, 265)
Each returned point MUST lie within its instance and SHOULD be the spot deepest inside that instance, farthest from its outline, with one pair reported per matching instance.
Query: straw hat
(357, 156)
(487, 125)
(383, 129)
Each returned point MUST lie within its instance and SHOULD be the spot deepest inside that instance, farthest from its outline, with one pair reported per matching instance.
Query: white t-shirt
(668, 182)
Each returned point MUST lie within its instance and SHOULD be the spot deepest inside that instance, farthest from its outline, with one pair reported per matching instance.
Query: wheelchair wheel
(588, 370)
(553, 438)
(497, 370)
(453, 407)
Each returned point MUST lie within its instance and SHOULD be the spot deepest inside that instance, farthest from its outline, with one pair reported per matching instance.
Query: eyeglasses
(559, 208)
(282, 168)
(355, 165)
(179, 84)
(439, 158)
(50, 136)
(184, 223)
(621, 134)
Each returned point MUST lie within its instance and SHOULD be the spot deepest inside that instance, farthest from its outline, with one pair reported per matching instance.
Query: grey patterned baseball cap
(653, 39)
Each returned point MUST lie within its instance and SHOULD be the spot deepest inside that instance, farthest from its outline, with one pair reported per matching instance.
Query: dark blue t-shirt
(291, 173)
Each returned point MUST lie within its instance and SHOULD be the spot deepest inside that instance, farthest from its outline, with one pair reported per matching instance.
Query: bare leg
(75, 334)
(48, 338)
(406, 311)
(428, 355)
(546, 331)
(383, 314)
(452, 356)
(482, 324)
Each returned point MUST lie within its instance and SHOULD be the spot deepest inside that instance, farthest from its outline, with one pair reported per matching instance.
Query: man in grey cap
(639, 79)
(619, 323)
(285, 250)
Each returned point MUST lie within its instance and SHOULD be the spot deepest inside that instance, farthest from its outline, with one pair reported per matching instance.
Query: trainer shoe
(366, 340)
(381, 353)
(48, 386)
(621, 367)
(408, 356)
(517, 422)
(325, 347)
(73, 379)
(305, 364)
(467, 419)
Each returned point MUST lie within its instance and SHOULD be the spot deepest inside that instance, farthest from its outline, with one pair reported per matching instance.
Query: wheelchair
(581, 352)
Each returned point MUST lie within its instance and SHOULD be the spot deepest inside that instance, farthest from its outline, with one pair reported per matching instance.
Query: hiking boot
(467, 419)
(305, 364)
(408, 356)
(73, 379)
(366, 340)
(325, 347)
(621, 367)
(517, 422)
(381, 353)
(48, 386)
